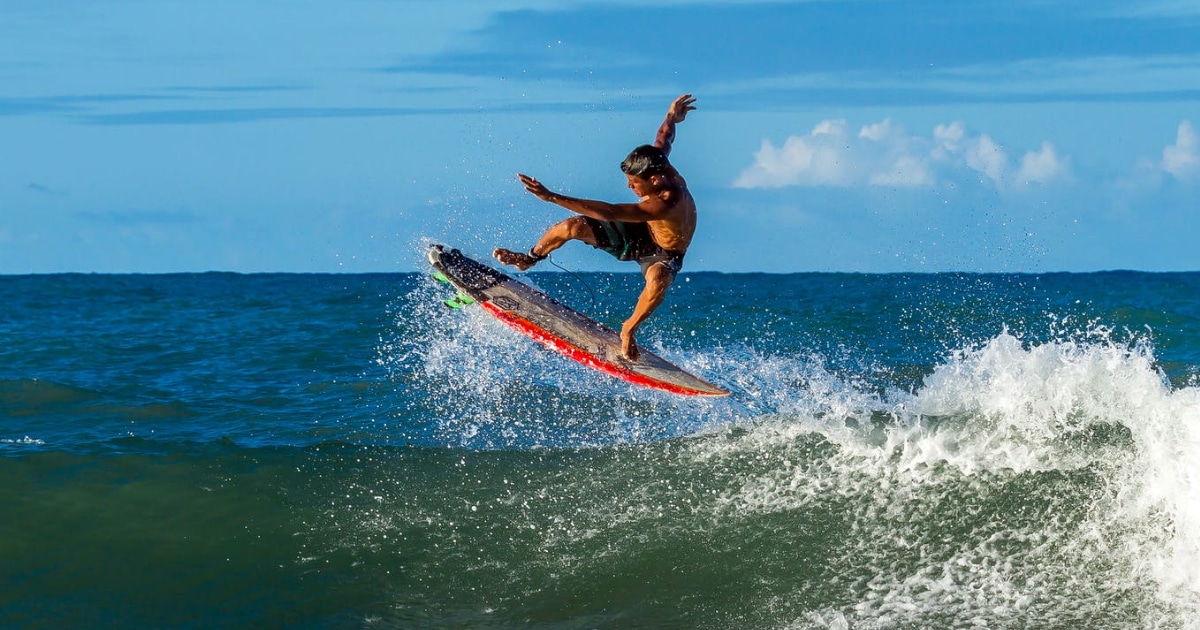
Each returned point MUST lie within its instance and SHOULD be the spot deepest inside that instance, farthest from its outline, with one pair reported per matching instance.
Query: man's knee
(563, 231)
(659, 275)
(577, 228)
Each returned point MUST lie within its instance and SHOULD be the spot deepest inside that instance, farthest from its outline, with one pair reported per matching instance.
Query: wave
(1051, 482)
(1015, 484)
(1057, 482)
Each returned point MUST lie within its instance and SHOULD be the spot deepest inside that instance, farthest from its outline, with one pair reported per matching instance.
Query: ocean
(342, 451)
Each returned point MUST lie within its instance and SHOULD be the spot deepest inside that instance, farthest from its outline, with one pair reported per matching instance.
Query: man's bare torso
(674, 233)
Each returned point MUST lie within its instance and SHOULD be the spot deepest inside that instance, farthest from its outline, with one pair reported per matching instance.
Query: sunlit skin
(664, 204)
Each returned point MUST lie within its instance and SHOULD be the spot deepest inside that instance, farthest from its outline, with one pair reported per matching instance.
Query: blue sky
(840, 135)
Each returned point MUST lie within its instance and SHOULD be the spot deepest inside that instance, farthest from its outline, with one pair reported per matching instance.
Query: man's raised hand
(680, 108)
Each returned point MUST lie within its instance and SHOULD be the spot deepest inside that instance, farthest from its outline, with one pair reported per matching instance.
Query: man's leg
(572, 229)
(658, 278)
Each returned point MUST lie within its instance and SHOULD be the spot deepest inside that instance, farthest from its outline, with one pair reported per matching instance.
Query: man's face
(642, 186)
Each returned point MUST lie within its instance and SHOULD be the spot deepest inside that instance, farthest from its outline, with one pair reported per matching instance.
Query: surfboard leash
(577, 277)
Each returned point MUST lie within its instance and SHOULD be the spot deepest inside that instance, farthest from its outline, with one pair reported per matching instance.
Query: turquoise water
(341, 451)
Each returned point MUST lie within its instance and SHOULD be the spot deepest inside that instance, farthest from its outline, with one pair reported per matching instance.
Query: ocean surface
(342, 451)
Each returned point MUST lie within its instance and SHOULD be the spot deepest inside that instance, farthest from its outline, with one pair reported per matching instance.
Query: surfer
(655, 231)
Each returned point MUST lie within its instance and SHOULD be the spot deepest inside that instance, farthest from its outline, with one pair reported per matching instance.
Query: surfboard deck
(559, 327)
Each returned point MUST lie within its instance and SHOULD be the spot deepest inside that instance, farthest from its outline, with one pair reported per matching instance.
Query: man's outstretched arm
(678, 111)
(648, 210)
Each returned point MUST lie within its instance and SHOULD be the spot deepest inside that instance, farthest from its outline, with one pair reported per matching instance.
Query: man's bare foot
(515, 259)
(629, 349)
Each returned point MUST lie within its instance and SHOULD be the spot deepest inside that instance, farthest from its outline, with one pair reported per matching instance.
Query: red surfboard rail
(574, 352)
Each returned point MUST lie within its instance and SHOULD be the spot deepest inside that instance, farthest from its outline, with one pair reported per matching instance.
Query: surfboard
(557, 326)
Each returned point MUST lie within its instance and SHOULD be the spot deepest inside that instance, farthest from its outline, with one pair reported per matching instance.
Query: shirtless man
(655, 231)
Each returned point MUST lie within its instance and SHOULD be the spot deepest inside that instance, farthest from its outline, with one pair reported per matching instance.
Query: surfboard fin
(458, 301)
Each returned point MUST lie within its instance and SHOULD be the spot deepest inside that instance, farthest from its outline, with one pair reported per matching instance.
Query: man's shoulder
(679, 196)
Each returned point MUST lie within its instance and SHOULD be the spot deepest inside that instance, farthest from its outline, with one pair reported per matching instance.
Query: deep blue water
(341, 451)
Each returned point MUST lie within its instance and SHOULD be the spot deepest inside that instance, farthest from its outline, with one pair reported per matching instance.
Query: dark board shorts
(632, 241)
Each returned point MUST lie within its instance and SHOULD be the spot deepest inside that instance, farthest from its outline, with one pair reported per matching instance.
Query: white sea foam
(25, 441)
(1094, 417)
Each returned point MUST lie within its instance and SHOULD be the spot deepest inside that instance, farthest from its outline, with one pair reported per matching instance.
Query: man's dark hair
(645, 161)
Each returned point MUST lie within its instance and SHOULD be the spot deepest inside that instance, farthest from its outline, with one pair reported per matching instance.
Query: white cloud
(1182, 160)
(949, 138)
(1179, 161)
(906, 171)
(885, 154)
(819, 159)
(984, 155)
(897, 159)
(830, 128)
(879, 131)
(1042, 167)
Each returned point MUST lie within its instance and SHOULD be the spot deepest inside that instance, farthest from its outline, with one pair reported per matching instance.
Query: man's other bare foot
(515, 259)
